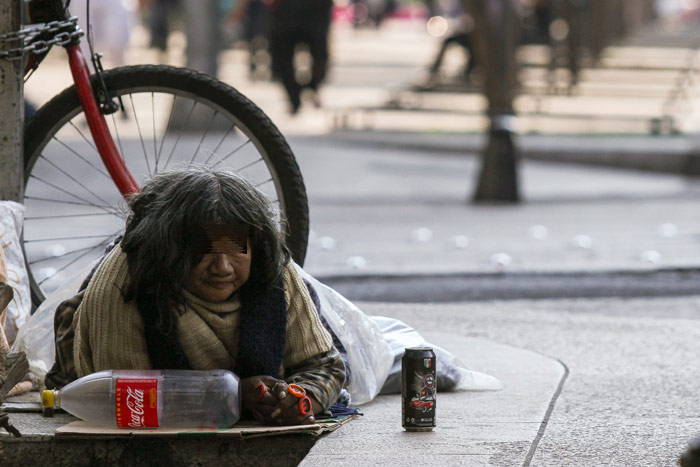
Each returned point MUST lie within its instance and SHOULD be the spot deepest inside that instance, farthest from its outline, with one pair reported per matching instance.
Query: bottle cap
(47, 398)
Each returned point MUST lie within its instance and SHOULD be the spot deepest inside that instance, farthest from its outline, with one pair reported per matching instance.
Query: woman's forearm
(322, 376)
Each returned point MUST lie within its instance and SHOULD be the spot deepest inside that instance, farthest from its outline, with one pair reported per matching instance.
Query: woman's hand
(271, 403)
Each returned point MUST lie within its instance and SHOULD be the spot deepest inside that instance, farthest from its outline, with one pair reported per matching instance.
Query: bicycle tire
(45, 152)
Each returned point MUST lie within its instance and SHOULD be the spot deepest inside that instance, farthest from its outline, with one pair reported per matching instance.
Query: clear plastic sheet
(19, 309)
(369, 354)
(375, 345)
(452, 374)
(36, 338)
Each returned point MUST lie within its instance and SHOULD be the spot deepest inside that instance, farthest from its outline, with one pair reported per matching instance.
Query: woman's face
(221, 272)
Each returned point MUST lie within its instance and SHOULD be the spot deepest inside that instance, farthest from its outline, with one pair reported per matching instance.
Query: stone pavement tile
(473, 428)
(629, 398)
(648, 441)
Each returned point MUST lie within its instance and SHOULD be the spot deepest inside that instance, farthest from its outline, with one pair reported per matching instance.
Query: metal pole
(12, 105)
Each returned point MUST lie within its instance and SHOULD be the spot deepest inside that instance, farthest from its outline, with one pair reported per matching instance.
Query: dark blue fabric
(263, 333)
(339, 410)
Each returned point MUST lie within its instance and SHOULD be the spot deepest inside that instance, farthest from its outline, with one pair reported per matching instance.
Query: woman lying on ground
(201, 280)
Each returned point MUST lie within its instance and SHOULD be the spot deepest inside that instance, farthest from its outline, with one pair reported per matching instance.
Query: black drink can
(418, 389)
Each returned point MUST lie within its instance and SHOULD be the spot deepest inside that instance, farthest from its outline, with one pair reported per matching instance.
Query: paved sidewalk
(473, 428)
(627, 399)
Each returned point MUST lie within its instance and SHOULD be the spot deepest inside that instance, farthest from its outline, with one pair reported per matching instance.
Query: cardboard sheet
(247, 429)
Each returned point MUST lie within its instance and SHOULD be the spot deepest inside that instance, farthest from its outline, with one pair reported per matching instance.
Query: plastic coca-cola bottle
(151, 398)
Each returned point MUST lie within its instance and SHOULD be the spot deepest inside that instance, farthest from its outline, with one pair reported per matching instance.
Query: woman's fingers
(262, 390)
(265, 410)
(279, 390)
(271, 402)
(288, 416)
(286, 407)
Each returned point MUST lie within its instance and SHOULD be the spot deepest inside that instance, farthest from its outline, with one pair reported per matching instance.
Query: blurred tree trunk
(638, 14)
(202, 24)
(496, 35)
(599, 27)
(611, 19)
(202, 27)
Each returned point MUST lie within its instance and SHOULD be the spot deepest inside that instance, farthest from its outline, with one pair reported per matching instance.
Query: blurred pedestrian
(371, 12)
(295, 22)
(252, 18)
(460, 29)
(159, 22)
(110, 25)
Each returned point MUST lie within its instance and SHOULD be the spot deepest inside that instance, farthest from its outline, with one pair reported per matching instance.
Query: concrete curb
(40, 446)
(458, 287)
(677, 154)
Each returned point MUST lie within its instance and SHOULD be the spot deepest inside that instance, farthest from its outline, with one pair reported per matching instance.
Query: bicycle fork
(104, 142)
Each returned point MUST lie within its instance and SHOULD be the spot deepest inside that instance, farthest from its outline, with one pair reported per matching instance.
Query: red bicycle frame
(104, 142)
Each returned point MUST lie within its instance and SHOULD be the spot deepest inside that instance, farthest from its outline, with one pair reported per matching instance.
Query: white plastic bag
(19, 309)
(369, 355)
(452, 374)
(36, 338)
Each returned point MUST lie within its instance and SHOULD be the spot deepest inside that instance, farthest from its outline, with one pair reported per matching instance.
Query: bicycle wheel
(170, 117)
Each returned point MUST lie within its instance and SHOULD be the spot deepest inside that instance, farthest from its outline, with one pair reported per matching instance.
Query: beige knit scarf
(109, 331)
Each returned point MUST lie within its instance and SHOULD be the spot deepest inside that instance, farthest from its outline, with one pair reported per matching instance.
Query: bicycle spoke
(78, 156)
(64, 255)
(119, 140)
(64, 216)
(262, 183)
(240, 169)
(138, 127)
(88, 203)
(167, 129)
(77, 237)
(62, 201)
(213, 153)
(88, 141)
(155, 140)
(232, 152)
(206, 132)
(76, 259)
(179, 135)
(77, 182)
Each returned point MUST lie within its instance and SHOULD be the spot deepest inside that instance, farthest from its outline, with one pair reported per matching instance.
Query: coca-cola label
(137, 402)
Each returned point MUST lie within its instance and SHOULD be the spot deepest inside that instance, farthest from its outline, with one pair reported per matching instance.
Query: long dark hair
(171, 207)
